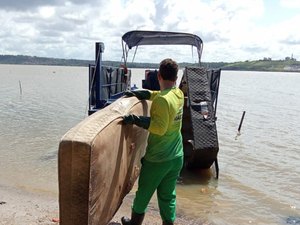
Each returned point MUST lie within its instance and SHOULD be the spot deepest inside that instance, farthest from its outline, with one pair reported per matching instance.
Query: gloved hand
(141, 121)
(140, 94)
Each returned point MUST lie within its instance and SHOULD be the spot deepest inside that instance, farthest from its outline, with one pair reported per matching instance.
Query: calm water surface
(259, 171)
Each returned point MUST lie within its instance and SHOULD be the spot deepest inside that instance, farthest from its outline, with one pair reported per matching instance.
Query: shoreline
(19, 206)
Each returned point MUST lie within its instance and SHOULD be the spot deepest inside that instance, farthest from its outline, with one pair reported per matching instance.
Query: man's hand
(129, 119)
(140, 94)
(140, 121)
(128, 94)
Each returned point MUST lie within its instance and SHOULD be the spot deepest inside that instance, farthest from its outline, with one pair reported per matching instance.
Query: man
(163, 160)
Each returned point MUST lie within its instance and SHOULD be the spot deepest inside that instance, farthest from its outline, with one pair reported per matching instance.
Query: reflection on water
(259, 172)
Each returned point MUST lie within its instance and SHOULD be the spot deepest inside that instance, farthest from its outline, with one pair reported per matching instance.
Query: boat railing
(114, 81)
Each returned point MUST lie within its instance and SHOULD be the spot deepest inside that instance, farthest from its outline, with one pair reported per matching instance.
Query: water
(53, 100)
(259, 171)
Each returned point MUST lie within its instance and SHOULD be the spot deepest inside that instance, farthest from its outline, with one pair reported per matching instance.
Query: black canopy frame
(138, 37)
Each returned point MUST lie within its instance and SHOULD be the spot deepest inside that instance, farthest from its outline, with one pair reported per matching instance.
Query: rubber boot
(136, 219)
(167, 223)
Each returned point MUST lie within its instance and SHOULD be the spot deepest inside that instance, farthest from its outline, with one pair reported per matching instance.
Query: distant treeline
(288, 64)
(34, 60)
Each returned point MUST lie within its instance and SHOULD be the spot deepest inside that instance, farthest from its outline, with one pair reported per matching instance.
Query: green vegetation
(34, 60)
(290, 65)
(266, 64)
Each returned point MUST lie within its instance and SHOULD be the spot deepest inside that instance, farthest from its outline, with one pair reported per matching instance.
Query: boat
(199, 84)
(99, 159)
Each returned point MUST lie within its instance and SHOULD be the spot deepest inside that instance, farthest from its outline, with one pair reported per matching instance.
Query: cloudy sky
(232, 30)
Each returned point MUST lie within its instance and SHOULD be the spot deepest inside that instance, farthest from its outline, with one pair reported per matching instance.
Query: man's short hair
(168, 69)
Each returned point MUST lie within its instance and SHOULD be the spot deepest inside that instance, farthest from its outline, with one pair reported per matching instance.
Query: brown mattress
(98, 163)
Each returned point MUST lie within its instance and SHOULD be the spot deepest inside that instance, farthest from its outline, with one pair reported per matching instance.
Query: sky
(231, 30)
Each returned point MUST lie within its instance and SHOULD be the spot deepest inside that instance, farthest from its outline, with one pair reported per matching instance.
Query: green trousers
(161, 177)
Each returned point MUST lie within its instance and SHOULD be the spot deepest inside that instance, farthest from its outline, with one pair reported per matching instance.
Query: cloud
(231, 29)
(292, 4)
(28, 5)
(19, 5)
(291, 41)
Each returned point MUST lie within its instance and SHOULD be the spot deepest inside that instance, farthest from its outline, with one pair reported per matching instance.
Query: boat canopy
(137, 37)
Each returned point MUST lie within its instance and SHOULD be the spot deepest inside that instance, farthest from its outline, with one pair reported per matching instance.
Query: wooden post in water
(240, 126)
(20, 86)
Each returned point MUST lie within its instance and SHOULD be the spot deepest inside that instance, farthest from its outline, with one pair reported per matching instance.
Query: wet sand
(18, 207)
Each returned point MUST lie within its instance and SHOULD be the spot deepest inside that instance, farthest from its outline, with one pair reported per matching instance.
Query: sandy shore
(18, 207)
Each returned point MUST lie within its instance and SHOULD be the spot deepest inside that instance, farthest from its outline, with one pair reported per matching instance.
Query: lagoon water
(259, 179)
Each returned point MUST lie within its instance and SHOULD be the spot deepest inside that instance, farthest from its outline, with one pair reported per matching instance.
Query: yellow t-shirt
(165, 140)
